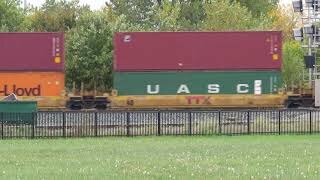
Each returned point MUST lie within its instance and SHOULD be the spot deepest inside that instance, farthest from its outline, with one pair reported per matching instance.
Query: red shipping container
(32, 52)
(160, 51)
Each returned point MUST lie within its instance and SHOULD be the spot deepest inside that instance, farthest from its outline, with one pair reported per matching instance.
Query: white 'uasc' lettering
(183, 89)
(242, 88)
(156, 90)
(212, 88)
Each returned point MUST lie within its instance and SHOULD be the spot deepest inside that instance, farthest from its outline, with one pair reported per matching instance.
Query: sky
(285, 1)
(97, 4)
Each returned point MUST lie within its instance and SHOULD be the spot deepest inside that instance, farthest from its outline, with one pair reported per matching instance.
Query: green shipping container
(18, 112)
(204, 82)
(18, 106)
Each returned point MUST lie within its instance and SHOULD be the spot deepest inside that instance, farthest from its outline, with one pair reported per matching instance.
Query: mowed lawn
(210, 157)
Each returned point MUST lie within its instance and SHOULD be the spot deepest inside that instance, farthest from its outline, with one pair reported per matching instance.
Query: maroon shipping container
(31, 52)
(160, 51)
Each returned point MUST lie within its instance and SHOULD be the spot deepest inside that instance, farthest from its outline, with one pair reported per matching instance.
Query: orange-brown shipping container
(32, 84)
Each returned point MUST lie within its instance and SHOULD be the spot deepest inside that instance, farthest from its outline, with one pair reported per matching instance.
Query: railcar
(157, 70)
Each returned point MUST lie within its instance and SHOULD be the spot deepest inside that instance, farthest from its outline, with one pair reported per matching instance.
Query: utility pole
(309, 33)
(309, 46)
(25, 5)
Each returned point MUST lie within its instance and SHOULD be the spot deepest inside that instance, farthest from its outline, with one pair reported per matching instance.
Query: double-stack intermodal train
(155, 70)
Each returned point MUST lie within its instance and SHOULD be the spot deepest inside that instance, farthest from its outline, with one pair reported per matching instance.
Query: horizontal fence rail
(148, 123)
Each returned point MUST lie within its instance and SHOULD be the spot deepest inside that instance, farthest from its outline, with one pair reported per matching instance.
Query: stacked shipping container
(32, 52)
(32, 64)
(205, 82)
(185, 63)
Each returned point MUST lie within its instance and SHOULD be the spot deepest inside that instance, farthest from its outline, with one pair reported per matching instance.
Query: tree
(167, 16)
(55, 15)
(293, 67)
(283, 19)
(155, 17)
(120, 23)
(11, 15)
(89, 52)
(223, 15)
(137, 12)
(192, 14)
(258, 7)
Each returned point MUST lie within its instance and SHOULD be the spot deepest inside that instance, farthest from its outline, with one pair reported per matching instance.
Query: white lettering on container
(242, 88)
(183, 89)
(156, 90)
(213, 88)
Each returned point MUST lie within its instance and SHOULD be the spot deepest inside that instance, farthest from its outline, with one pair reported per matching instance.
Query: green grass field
(211, 157)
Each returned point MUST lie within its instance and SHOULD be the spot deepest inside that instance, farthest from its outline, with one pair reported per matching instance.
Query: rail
(51, 124)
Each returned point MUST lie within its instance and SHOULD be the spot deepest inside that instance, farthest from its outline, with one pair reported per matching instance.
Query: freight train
(155, 70)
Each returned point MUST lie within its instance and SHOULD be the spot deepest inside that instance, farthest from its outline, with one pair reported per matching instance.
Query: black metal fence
(146, 123)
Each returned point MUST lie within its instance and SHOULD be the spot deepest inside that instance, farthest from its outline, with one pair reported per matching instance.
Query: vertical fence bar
(96, 124)
(279, 122)
(33, 116)
(64, 124)
(248, 121)
(310, 121)
(219, 119)
(190, 123)
(159, 123)
(128, 123)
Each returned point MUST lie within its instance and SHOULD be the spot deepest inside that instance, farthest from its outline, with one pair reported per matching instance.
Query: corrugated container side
(32, 52)
(32, 83)
(188, 83)
(170, 51)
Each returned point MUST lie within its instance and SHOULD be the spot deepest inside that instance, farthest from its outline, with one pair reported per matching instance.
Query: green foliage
(120, 23)
(222, 15)
(160, 15)
(167, 16)
(258, 7)
(136, 11)
(192, 14)
(283, 19)
(55, 15)
(293, 67)
(89, 52)
(11, 15)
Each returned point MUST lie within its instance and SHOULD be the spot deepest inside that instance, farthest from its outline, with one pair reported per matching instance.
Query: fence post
(96, 124)
(128, 123)
(219, 118)
(190, 122)
(2, 121)
(310, 118)
(279, 122)
(159, 123)
(248, 121)
(64, 124)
